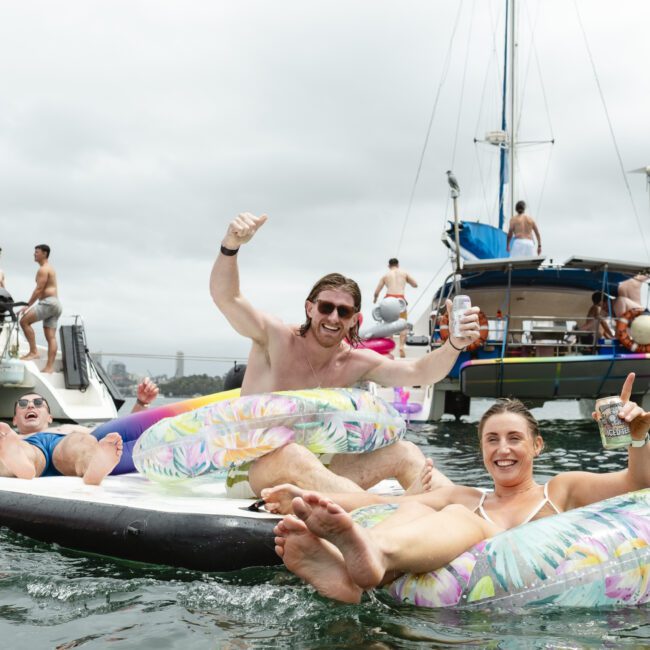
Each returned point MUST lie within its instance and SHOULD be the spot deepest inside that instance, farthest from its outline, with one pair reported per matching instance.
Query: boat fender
(595, 556)
(12, 371)
(231, 432)
(625, 330)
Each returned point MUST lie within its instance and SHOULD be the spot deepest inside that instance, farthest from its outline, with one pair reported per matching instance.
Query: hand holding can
(614, 432)
(460, 306)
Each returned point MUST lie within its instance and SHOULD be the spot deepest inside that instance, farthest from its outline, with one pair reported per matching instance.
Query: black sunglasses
(326, 307)
(37, 402)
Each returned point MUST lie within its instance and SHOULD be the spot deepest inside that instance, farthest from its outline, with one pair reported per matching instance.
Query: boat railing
(543, 335)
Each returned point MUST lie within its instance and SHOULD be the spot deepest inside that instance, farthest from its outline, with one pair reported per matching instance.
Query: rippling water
(55, 598)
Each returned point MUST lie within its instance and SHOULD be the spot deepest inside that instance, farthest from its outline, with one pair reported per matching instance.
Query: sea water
(56, 598)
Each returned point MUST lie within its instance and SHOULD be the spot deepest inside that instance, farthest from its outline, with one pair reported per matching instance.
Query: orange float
(483, 327)
(624, 335)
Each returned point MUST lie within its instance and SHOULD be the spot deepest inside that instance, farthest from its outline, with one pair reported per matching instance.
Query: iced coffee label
(612, 424)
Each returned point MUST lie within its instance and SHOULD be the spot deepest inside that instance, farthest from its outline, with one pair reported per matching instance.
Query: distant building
(180, 365)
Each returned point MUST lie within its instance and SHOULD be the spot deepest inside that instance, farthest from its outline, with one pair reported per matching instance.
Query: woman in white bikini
(326, 548)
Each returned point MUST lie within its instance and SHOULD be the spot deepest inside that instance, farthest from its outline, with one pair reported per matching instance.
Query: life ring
(483, 330)
(596, 556)
(231, 432)
(624, 335)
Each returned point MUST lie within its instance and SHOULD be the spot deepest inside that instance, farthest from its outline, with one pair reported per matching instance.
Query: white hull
(92, 404)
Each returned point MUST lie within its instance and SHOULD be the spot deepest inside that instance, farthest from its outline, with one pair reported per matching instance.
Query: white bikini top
(480, 510)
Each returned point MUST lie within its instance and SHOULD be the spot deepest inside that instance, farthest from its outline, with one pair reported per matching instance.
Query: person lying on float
(40, 449)
(316, 354)
(326, 548)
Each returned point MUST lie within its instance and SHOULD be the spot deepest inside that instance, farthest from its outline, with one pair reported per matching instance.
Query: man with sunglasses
(68, 450)
(318, 353)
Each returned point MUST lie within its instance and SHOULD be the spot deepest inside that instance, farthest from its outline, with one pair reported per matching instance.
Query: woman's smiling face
(509, 448)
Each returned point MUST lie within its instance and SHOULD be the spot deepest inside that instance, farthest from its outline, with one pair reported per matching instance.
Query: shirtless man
(596, 324)
(395, 282)
(629, 294)
(48, 308)
(68, 450)
(285, 357)
(522, 227)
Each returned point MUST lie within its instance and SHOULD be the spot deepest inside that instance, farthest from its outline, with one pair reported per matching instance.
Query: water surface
(56, 598)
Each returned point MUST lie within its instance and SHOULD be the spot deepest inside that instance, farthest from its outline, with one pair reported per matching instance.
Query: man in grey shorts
(48, 308)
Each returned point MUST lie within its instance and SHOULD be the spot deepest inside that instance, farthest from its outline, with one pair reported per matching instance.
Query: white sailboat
(532, 308)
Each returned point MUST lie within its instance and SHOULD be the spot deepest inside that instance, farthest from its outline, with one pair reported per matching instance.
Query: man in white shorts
(48, 308)
(520, 241)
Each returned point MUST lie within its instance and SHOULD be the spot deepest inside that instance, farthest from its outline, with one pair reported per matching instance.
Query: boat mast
(507, 153)
(513, 112)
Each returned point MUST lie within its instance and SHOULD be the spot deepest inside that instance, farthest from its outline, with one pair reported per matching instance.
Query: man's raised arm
(432, 367)
(224, 279)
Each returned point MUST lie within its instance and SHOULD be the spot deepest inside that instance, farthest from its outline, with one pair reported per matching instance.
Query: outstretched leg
(19, 458)
(80, 454)
(402, 460)
(314, 560)
(419, 545)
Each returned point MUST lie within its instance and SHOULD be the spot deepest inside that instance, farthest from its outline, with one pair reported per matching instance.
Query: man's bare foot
(315, 561)
(423, 481)
(278, 499)
(364, 560)
(29, 356)
(402, 354)
(48, 370)
(108, 454)
(13, 454)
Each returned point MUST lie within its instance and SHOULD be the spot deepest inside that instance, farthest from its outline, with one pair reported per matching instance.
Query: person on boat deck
(629, 294)
(317, 354)
(395, 282)
(597, 322)
(324, 546)
(48, 308)
(520, 241)
(68, 450)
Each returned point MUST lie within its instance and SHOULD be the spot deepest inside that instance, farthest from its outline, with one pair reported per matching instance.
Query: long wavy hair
(336, 281)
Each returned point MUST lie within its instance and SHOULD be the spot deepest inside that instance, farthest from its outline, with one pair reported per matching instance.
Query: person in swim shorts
(48, 309)
(69, 450)
(395, 281)
(323, 545)
(520, 234)
(317, 354)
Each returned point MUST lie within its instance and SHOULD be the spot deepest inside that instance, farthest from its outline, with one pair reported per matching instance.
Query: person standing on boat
(48, 309)
(317, 354)
(395, 281)
(520, 242)
(629, 294)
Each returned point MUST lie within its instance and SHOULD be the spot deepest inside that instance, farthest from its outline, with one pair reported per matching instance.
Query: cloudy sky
(131, 132)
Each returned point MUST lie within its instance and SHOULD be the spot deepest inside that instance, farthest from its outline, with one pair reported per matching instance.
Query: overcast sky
(131, 132)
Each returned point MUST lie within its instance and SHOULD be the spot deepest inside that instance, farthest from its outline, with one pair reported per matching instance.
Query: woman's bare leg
(424, 544)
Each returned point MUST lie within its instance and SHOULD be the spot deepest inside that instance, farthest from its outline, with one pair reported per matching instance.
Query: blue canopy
(480, 240)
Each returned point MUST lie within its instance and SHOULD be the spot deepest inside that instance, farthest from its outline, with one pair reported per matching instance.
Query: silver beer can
(460, 305)
(614, 432)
